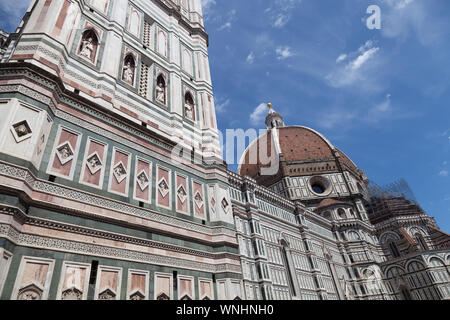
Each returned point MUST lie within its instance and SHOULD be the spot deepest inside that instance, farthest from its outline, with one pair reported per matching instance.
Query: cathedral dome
(296, 144)
(301, 151)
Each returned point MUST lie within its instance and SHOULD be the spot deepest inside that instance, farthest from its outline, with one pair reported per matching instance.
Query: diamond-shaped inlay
(21, 131)
(94, 163)
(143, 180)
(225, 205)
(119, 172)
(64, 152)
(182, 195)
(163, 187)
(198, 200)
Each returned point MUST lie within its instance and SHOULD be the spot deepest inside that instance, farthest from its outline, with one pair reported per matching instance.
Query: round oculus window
(320, 186)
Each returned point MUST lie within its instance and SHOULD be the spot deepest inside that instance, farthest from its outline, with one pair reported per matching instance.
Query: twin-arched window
(394, 249)
(421, 241)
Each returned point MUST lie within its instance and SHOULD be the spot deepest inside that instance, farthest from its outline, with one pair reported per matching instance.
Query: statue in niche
(89, 43)
(189, 106)
(161, 89)
(128, 70)
(87, 48)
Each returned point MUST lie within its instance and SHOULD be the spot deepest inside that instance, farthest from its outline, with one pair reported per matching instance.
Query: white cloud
(230, 17)
(281, 20)
(250, 58)
(353, 72)
(443, 173)
(398, 4)
(341, 58)
(207, 6)
(380, 111)
(363, 58)
(258, 114)
(283, 53)
(404, 19)
(281, 12)
(227, 25)
(342, 118)
(331, 119)
(221, 104)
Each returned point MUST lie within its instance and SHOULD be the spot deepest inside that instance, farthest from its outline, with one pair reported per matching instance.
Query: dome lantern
(273, 119)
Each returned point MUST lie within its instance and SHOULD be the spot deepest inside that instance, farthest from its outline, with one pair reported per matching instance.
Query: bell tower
(108, 120)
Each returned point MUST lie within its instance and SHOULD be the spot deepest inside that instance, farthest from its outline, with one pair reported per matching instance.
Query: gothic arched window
(421, 241)
(134, 22)
(406, 295)
(435, 262)
(394, 250)
(161, 89)
(88, 45)
(285, 253)
(189, 106)
(129, 67)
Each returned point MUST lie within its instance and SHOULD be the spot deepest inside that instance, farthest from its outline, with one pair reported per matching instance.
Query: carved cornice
(66, 245)
(22, 218)
(84, 197)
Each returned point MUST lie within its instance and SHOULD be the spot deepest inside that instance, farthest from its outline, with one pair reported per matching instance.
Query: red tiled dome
(297, 144)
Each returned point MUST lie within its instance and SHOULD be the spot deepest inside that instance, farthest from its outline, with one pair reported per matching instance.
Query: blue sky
(381, 96)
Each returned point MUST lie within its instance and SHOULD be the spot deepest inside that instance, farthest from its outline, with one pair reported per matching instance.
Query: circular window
(317, 188)
(320, 186)
(327, 215)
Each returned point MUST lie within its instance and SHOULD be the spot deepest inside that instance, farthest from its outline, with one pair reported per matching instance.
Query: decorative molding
(65, 245)
(87, 198)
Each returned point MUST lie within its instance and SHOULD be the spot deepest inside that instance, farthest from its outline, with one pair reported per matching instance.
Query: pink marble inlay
(199, 206)
(163, 201)
(88, 176)
(115, 185)
(58, 167)
(182, 195)
(143, 166)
